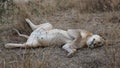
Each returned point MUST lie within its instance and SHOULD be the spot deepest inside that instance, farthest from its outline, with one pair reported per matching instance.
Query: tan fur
(46, 35)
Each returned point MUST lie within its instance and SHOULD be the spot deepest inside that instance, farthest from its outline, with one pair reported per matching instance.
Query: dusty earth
(106, 24)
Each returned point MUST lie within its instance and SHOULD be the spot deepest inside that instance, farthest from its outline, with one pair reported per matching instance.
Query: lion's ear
(74, 33)
(102, 36)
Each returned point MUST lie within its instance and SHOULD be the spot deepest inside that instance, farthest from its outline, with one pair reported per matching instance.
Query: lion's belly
(53, 37)
(48, 40)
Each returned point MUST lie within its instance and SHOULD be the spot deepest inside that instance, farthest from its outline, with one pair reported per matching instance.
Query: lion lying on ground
(46, 35)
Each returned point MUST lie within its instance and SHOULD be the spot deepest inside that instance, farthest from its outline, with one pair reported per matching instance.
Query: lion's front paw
(70, 55)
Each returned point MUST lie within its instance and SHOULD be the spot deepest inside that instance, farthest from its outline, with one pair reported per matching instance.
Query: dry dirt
(107, 24)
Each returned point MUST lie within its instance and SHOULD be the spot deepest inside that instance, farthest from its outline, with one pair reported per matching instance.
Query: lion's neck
(89, 39)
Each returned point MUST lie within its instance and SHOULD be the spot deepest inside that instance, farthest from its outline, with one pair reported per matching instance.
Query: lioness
(46, 35)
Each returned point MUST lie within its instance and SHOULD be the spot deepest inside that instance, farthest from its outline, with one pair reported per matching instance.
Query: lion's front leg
(69, 48)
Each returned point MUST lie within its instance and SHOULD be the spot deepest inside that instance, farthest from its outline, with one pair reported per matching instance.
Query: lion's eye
(95, 44)
(99, 42)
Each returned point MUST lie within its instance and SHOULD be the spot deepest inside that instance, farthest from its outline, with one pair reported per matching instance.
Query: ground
(107, 24)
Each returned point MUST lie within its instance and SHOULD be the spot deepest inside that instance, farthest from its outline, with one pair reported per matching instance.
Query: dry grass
(98, 16)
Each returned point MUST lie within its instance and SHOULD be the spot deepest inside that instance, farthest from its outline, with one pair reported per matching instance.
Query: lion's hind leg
(13, 45)
(33, 26)
(22, 35)
(46, 26)
(31, 42)
(24, 45)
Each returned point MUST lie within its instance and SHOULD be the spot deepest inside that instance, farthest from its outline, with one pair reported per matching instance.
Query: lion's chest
(83, 34)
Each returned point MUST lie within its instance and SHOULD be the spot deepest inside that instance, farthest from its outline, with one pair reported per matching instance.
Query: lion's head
(95, 41)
